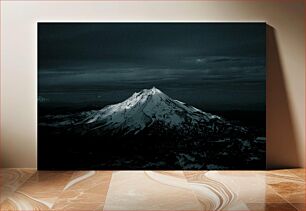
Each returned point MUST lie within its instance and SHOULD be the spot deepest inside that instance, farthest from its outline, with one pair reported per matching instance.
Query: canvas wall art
(136, 96)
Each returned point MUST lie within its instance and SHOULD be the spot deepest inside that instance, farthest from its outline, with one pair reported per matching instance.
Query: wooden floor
(28, 189)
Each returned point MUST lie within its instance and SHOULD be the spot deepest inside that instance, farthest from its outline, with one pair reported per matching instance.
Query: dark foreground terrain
(155, 148)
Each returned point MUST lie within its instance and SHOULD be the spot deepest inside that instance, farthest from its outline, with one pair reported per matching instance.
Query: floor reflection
(27, 189)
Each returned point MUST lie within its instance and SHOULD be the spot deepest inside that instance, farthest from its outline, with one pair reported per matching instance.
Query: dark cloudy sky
(209, 65)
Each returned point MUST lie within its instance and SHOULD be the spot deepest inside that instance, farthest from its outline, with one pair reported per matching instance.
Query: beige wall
(286, 62)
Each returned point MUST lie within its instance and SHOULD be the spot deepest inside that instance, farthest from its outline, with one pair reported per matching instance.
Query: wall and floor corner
(285, 64)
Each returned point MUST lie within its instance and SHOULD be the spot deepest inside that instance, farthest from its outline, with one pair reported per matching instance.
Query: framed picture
(166, 95)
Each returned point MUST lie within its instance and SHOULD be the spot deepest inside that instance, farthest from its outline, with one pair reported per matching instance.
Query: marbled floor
(28, 189)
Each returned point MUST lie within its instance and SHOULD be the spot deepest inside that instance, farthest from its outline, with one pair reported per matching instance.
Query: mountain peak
(154, 89)
(151, 91)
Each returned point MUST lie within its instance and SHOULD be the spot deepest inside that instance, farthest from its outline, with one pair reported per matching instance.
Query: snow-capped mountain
(145, 108)
(149, 108)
